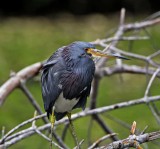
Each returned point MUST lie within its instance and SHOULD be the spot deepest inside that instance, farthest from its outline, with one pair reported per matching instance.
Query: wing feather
(50, 81)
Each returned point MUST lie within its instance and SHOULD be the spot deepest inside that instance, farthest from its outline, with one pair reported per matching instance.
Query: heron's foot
(52, 120)
(73, 130)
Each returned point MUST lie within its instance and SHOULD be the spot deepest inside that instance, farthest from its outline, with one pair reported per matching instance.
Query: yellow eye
(86, 49)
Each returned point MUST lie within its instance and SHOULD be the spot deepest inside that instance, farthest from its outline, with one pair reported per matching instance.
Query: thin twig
(155, 114)
(141, 25)
(154, 54)
(124, 38)
(144, 130)
(132, 69)
(48, 139)
(151, 81)
(3, 131)
(117, 120)
(41, 134)
(95, 144)
(132, 55)
(32, 100)
(118, 34)
(104, 126)
(65, 131)
(21, 125)
(80, 143)
(89, 131)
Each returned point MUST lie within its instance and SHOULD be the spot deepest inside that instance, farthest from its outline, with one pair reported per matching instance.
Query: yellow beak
(98, 53)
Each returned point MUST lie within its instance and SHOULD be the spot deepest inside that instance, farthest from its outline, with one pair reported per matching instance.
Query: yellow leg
(73, 131)
(52, 119)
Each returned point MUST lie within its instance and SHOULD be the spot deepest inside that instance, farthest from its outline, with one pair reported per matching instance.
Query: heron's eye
(87, 49)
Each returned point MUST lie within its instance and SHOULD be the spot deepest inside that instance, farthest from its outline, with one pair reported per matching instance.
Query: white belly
(62, 105)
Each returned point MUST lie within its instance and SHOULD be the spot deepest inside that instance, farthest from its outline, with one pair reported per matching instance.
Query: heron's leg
(52, 119)
(73, 131)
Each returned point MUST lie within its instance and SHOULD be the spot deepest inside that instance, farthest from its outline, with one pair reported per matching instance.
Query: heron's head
(82, 49)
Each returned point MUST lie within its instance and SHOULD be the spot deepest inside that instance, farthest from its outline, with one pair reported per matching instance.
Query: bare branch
(155, 54)
(80, 143)
(95, 144)
(103, 125)
(133, 140)
(41, 134)
(21, 125)
(122, 16)
(150, 82)
(32, 100)
(154, 113)
(118, 34)
(140, 25)
(132, 69)
(25, 133)
(65, 131)
(48, 139)
(14, 81)
(133, 55)
(117, 120)
(124, 38)
(153, 110)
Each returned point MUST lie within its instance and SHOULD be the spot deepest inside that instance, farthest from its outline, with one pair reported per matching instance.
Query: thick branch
(14, 81)
(133, 69)
(133, 141)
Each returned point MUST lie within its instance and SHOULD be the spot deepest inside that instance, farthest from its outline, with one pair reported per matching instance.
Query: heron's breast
(64, 105)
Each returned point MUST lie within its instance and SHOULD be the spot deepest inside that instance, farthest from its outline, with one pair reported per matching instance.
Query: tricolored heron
(66, 79)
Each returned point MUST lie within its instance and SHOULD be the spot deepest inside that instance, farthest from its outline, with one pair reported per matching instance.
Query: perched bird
(66, 78)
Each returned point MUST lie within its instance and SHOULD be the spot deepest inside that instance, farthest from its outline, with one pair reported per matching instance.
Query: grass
(24, 41)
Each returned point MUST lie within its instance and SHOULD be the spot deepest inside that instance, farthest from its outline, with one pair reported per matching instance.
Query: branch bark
(133, 141)
(14, 81)
(132, 69)
(10, 140)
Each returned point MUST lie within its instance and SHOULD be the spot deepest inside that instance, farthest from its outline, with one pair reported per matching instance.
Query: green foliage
(24, 41)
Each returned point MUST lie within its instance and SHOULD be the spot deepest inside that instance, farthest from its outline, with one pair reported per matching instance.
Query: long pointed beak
(98, 53)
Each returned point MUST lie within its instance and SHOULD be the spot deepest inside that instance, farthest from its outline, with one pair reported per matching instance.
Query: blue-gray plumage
(66, 79)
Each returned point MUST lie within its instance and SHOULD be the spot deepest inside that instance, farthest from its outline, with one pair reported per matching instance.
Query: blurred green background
(25, 40)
